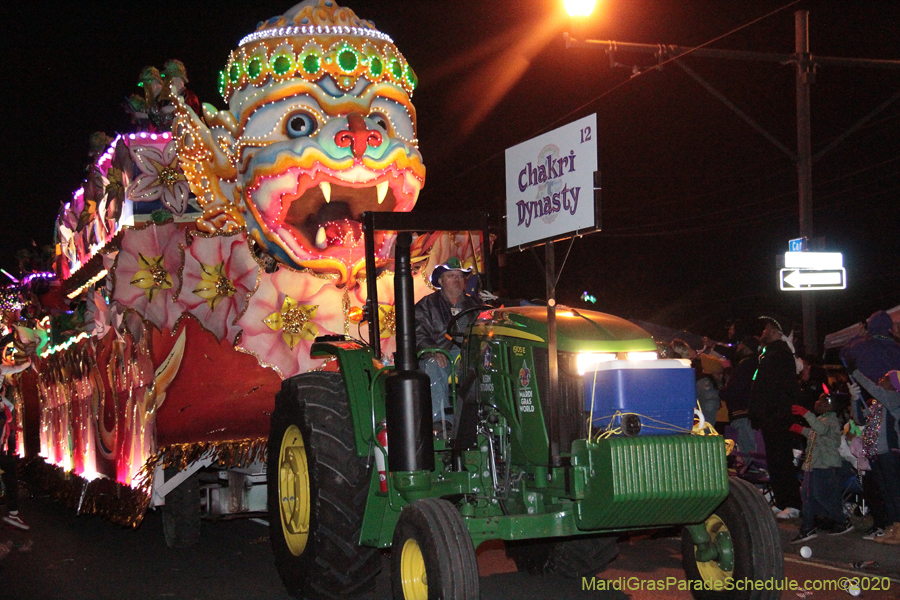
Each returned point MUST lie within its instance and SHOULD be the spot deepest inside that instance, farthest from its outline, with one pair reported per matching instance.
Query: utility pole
(804, 163)
(805, 65)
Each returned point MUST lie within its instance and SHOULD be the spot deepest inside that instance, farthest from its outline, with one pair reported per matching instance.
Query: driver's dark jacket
(433, 312)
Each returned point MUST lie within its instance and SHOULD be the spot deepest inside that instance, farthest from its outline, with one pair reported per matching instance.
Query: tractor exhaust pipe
(407, 389)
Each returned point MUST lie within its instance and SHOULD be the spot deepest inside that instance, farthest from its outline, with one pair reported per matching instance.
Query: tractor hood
(576, 330)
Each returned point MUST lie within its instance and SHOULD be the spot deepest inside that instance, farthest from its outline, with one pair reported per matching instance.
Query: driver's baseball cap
(452, 264)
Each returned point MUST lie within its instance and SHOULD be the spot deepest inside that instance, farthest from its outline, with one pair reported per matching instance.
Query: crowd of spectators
(811, 433)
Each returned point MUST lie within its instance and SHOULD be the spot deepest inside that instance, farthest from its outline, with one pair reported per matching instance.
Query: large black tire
(181, 512)
(745, 522)
(432, 556)
(316, 508)
(573, 557)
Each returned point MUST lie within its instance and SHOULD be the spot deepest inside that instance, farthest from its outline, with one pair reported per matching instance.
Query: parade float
(219, 266)
(209, 248)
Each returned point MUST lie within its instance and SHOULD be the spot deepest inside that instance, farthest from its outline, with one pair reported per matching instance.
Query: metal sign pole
(804, 165)
(552, 384)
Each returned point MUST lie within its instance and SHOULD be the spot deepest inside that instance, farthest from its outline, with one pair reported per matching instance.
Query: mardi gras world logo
(319, 129)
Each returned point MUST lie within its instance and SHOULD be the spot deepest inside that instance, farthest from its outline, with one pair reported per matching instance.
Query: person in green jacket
(821, 488)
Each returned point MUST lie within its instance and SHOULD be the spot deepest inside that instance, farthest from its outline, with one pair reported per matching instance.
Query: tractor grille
(651, 480)
(569, 409)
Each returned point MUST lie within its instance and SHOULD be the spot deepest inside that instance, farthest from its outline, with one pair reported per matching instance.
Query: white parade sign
(809, 279)
(550, 185)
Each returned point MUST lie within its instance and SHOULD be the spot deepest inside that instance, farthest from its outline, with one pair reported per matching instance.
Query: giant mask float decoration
(319, 129)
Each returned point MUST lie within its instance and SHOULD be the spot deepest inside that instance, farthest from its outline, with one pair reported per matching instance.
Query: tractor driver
(433, 314)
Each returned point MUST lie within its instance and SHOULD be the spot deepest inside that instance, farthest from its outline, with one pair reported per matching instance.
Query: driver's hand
(441, 360)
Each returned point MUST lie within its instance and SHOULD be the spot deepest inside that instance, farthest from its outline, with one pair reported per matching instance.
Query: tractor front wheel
(745, 534)
(432, 555)
(317, 491)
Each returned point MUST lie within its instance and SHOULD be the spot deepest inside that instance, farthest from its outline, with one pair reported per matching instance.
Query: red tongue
(336, 232)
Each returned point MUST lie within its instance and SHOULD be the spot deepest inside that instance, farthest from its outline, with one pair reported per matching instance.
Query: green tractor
(557, 481)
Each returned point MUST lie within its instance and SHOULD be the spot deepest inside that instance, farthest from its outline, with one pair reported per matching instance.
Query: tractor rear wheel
(573, 557)
(745, 531)
(432, 555)
(317, 491)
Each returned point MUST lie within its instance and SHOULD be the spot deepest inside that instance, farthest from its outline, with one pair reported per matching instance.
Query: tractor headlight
(585, 360)
(642, 355)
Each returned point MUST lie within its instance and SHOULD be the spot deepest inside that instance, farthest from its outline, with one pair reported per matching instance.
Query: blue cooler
(661, 392)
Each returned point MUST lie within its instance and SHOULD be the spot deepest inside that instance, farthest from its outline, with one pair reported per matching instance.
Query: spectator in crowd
(736, 392)
(773, 392)
(874, 353)
(7, 448)
(682, 349)
(855, 453)
(708, 373)
(821, 489)
(880, 444)
(712, 373)
(813, 382)
(728, 348)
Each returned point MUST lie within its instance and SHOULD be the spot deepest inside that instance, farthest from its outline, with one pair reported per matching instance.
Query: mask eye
(380, 120)
(300, 124)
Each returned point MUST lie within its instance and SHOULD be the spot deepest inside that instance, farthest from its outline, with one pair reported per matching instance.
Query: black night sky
(696, 205)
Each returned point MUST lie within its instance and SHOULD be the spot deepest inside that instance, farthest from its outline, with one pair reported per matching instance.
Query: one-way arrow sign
(794, 280)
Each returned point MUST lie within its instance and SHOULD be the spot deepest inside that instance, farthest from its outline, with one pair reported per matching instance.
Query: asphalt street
(69, 557)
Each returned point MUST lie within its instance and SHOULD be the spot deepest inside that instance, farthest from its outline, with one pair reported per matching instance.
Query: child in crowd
(821, 489)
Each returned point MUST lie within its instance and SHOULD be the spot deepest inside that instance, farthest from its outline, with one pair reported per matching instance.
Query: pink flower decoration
(285, 315)
(97, 314)
(219, 275)
(160, 177)
(146, 273)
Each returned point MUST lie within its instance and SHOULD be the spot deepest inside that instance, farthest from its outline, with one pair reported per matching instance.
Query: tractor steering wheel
(451, 324)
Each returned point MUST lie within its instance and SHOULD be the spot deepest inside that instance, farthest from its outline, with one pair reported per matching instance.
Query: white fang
(382, 191)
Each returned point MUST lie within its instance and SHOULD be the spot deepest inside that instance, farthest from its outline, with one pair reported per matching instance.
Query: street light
(579, 8)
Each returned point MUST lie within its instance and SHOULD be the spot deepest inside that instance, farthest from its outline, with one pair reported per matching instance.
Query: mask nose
(358, 137)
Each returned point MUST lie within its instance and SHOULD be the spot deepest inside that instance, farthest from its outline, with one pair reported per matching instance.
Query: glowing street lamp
(579, 8)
